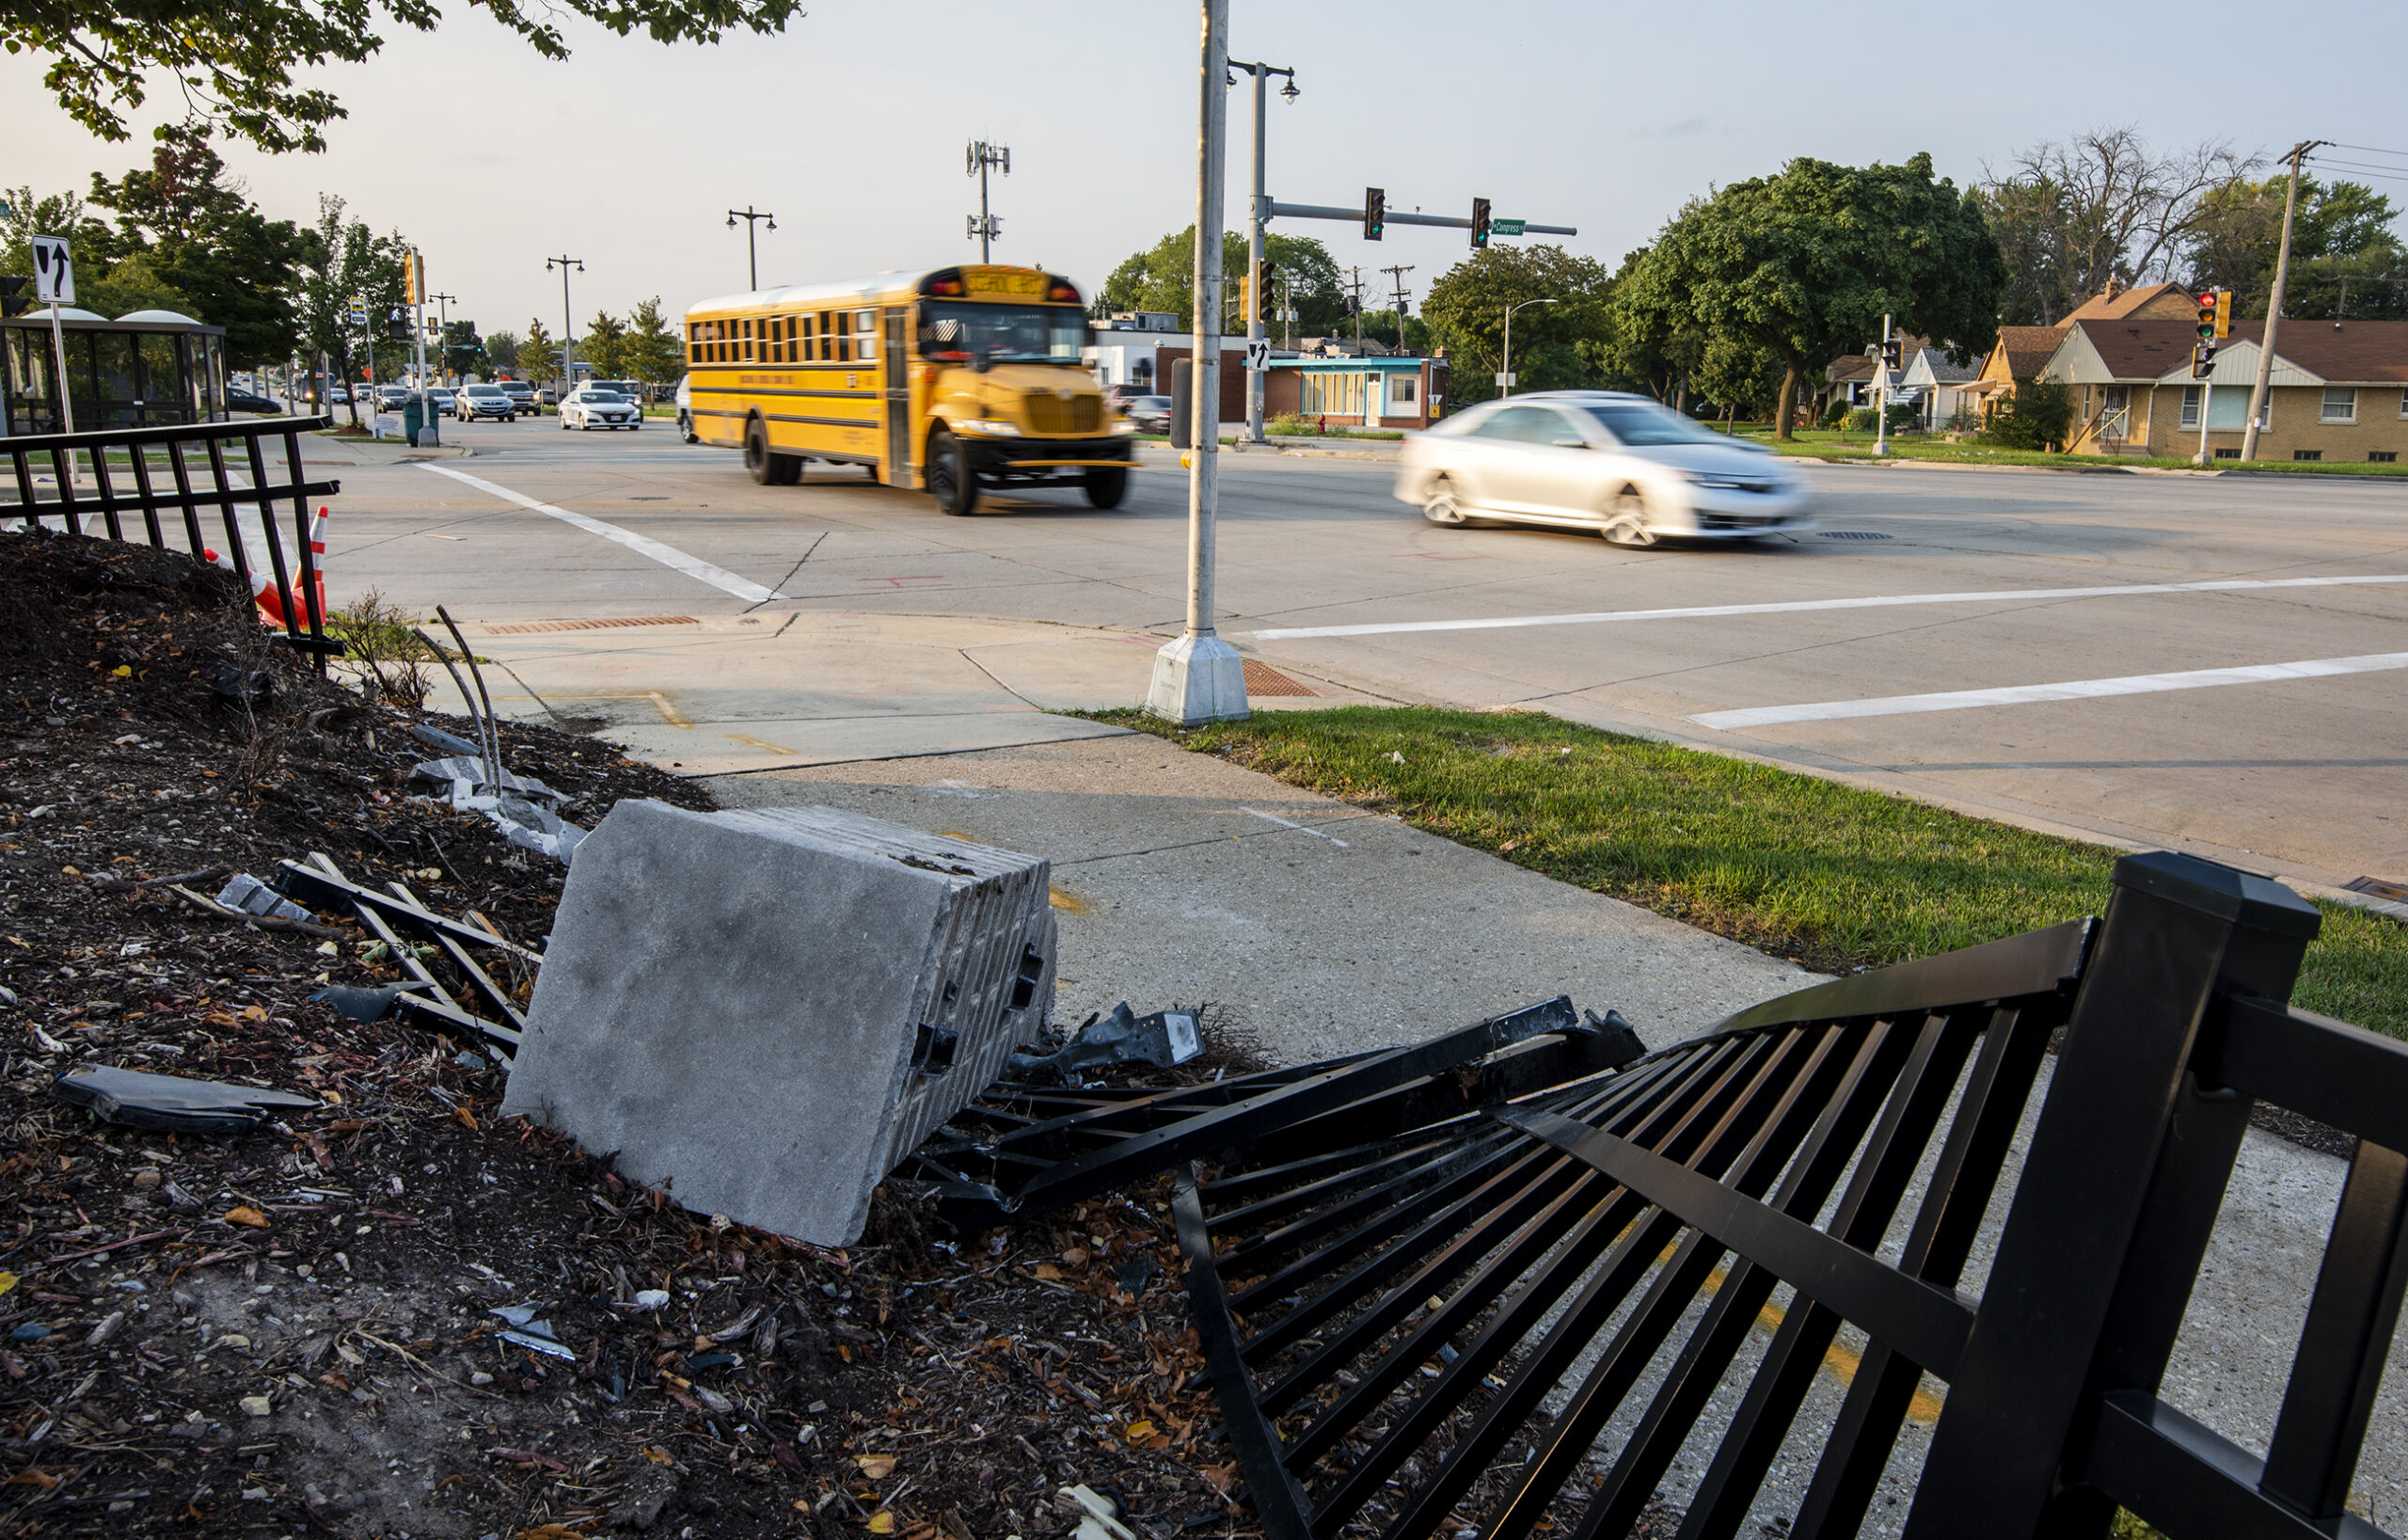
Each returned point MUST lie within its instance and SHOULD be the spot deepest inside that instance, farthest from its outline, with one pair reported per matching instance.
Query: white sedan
(1622, 465)
(587, 408)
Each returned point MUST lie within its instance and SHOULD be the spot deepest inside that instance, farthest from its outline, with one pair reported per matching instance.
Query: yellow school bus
(955, 381)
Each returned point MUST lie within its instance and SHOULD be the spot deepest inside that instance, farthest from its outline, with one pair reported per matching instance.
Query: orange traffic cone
(280, 606)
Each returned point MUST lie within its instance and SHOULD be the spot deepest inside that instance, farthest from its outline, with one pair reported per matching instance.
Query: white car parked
(587, 408)
(1623, 465)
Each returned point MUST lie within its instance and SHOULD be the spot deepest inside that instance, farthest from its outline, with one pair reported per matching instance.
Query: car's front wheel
(1626, 521)
(1442, 504)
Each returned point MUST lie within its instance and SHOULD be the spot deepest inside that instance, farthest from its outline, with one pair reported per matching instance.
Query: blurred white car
(1623, 465)
(587, 408)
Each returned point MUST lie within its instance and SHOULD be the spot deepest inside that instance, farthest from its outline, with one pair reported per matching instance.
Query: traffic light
(2224, 313)
(1893, 352)
(1375, 212)
(414, 279)
(13, 299)
(1258, 291)
(1479, 224)
(2212, 324)
(397, 326)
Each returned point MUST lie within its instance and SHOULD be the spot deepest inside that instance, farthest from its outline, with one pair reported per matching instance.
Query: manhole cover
(2396, 892)
(1850, 534)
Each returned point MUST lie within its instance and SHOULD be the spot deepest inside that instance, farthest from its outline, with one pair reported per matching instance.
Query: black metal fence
(1563, 1290)
(159, 484)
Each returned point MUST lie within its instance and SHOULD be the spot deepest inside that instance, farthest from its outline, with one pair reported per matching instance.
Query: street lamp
(751, 257)
(1505, 371)
(568, 325)
(1256, 213)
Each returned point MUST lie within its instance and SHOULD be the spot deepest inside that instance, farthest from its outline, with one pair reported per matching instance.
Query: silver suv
(476, 401)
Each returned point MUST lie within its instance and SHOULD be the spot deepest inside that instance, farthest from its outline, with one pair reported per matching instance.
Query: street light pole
(443, 332)
(2273, 307)
(568, 326)
(1258, 210)
(751, 257)
(1505, 372)
(1199, 678)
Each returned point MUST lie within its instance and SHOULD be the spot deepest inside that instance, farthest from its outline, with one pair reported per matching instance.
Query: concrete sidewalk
(1314, 926)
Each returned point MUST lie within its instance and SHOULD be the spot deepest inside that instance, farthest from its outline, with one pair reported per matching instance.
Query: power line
(2371, 150)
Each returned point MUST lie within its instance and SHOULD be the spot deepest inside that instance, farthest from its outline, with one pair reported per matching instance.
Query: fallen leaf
(43, 1479)
(8, 1281)
(246, 1215)
(1075, 1257)
(1046, 1272)
(1140, 1430)
(875, 1467)
(467, 1117)
(882, 1522)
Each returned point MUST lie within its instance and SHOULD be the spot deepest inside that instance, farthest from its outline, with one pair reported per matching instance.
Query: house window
(1402, 389)
(2227, 454)
(2383, 456)
(2403, 404)
(2307, 455)
(2340, 405)
(2191, 394)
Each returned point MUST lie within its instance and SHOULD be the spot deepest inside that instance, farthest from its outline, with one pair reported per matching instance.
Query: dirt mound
(292, 1331)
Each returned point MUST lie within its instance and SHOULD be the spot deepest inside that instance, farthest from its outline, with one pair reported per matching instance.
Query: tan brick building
(2338, 389)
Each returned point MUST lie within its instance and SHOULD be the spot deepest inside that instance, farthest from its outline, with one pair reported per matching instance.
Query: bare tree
(2100, 207)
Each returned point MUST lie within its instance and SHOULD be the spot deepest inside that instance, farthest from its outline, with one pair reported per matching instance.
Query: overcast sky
(851, 126)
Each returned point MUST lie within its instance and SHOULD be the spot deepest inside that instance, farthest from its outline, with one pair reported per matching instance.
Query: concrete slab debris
(765, 1010)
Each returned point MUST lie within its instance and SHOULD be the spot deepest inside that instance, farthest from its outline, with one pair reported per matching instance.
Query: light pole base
(1197, 679)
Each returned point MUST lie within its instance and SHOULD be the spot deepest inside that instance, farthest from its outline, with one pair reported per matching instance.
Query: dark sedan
(243, 401)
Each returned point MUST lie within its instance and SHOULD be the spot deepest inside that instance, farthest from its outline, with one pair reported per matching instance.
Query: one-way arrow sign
(53, 271)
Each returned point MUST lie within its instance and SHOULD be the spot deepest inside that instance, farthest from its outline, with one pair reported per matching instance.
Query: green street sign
(1506, 227)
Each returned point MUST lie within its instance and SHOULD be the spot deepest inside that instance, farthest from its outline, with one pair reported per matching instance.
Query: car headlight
(993, 427)
(1124, 425)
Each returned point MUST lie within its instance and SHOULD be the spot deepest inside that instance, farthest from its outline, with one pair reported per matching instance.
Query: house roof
(2306, 352)
(2337, 352)
(2148, 302)
(1849, 366)
(2028, 347)
(1941, 371)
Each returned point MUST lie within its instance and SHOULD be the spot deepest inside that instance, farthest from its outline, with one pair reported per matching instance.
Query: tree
(605, 347)
(462, 352)
(539, 352)
(2071, 217)
(1164, 278)
(2341, 234)
(204, 239)
(233, 60)
(342, 261)
(655, 350)
(1802, 266)
(134, 283)
(60, 213)
(1560, 346)
(502, 348)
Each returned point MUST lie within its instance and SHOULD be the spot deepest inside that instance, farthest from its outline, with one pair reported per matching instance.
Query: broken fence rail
(157, 509)
(1437, 1295)
(397, 918)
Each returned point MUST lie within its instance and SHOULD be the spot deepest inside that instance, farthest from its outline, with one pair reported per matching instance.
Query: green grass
(1835, 876)
(1834, 444)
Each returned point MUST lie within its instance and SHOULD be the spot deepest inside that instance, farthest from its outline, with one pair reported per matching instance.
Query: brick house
(2338, 391)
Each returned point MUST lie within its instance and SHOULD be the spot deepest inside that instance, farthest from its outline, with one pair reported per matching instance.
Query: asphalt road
(1944, 633)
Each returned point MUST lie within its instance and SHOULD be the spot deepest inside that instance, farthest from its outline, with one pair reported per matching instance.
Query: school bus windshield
(968, 332)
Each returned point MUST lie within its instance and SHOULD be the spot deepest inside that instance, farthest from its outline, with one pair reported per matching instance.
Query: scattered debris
(1164, 1039)
(253, 896)
(174, 1104)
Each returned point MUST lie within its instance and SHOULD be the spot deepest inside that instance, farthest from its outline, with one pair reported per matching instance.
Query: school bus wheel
(766, 466)
(1106, 487)
(950, 479)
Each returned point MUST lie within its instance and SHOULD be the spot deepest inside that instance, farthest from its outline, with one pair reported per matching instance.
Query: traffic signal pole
(1255, 213)
(2273, 307)
(1881, 418)
(1199, 678)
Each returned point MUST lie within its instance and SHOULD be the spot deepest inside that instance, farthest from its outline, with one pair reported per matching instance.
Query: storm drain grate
(1262, 680)
(2396, 892)
(589, 625)
(1850, 534)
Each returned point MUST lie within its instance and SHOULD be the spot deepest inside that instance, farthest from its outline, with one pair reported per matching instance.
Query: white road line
(2070, 689)
(668, 556)
(1299, 828)
(1792, 607)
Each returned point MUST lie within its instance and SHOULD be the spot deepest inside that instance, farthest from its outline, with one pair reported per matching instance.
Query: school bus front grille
(1050, 413)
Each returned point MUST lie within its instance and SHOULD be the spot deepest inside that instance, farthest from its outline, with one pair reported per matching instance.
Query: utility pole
(2273, 308)
(1395, 278)
(568, 326)
(1882, 397)
(1258, 210)
(752, 256)
(443, 333)
(1199, 678)
(978, 158)
(1355, 295)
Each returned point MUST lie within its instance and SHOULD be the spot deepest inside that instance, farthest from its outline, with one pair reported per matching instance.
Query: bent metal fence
(1565, 1289)
(180, 488)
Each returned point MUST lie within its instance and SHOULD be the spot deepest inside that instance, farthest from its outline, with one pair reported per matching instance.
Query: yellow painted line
(741, 737)
(1842, 1360)
(668, 712)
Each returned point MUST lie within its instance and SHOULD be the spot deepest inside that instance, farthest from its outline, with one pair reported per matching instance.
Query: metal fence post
(2126, 1168)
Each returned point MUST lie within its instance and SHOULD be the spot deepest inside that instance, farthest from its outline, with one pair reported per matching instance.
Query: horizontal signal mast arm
(1439, 221)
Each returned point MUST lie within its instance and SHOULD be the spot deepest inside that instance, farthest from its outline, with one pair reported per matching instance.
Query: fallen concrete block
(766, 1010)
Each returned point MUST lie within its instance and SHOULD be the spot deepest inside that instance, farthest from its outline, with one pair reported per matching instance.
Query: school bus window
(786, 341)
(953, 331)
(866, 327)
(841, 320)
